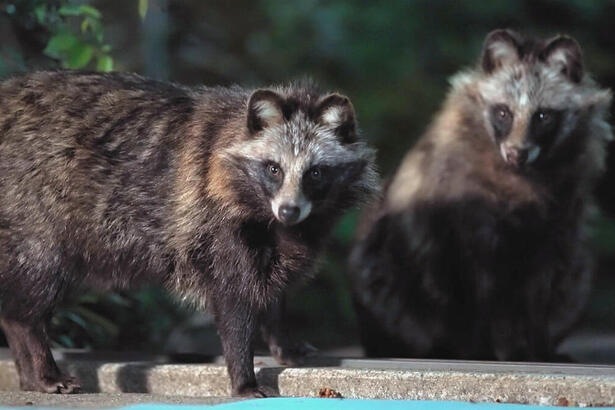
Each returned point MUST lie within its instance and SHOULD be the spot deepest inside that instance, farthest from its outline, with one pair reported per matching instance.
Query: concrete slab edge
(211, 380)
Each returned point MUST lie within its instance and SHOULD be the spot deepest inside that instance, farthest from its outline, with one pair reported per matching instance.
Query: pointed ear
(264, 110)
(336, 111)
(501, 48)
(564, 53)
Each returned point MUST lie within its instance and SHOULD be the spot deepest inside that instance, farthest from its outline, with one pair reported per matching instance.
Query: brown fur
(114, 180)
(477, 255)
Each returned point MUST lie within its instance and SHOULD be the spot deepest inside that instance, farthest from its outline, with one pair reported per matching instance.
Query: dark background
(391, 58)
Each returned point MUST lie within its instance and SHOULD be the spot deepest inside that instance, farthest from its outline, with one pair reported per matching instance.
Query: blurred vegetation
(139, 321)
(72, 33)
(393, 59)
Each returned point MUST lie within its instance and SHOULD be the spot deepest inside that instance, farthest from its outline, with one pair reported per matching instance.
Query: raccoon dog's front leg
(283, 348)
(237, 323)
(36, 367)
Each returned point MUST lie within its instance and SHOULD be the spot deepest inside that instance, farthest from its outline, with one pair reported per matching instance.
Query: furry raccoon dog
(477, 249)
(222, 195)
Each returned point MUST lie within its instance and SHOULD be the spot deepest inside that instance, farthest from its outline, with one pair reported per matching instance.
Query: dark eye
(545, 125)
(315, 173)
(544, 116)
(502, 113)
(273, 169)
(501, 120)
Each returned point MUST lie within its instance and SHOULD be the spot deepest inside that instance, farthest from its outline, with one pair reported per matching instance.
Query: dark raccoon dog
(477, 249)
(222, 195)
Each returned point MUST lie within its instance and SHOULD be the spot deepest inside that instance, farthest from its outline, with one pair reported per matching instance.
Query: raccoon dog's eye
(501, 119)
(273, 169)
(545, 124)
(315, 173)
(544, 116)
(501, 112)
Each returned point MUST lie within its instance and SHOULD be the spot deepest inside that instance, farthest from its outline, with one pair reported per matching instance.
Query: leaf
(84, 25)
(65, 341)
(59, 44)
(40, 12)
(97, 320)
(105, 63)
(77, 319)
(118, 299)
(79, 10)
(79, 55)
(90, 11)
(97, 29)
(70, 10)
(88, 297)
(143, 5)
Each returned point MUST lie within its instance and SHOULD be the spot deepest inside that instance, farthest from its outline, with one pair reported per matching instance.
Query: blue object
(342, 404)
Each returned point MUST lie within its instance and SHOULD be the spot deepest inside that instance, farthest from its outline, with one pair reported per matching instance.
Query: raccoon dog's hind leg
(36, 367)
(28, 298)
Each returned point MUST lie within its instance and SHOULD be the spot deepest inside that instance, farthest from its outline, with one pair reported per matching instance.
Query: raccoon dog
(222, 195)
(476, 250)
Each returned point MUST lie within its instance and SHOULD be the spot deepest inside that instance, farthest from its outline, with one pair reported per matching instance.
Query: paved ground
(98, 400)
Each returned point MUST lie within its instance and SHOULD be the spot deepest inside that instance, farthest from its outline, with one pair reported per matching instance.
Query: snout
(517, 156)
(289, 214)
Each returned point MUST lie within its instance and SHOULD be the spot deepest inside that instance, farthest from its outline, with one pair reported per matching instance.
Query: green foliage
(74, 31)
(116, 320)
(75, 47)
(143, 5)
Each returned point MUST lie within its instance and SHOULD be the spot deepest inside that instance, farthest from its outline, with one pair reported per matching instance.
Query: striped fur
(114, 180)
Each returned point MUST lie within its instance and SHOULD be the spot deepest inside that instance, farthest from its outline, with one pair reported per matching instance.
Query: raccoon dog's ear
(564, 52)
(501, 47)
(336, 111)
(265, 108)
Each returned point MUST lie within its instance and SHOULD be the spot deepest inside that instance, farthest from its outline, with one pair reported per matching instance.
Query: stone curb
(402, 379)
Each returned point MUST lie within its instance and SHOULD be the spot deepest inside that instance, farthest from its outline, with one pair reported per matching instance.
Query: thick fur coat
(477, 250)
(222, 195)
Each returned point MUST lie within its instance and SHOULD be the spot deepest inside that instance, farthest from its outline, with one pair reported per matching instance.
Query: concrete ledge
(545, 384)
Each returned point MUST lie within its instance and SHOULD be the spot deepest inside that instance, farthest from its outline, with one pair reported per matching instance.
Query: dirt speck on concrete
(327, 393)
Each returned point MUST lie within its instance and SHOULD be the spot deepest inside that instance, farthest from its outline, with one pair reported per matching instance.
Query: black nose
(289, 214)
(516, 156)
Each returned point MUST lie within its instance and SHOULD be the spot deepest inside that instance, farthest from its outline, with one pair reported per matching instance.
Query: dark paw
(257, 391)
(60, 385)
(293, 355)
